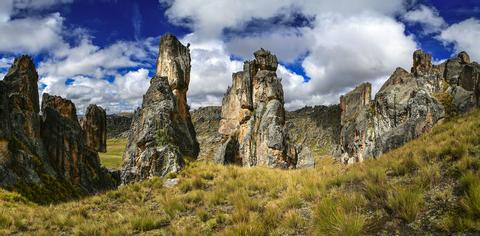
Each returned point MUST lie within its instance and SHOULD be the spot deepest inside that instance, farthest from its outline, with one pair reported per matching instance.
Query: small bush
(146, 222)
(470, 202)
(332, 219)
(405, 202)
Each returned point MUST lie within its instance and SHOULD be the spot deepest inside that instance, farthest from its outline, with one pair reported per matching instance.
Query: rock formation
(253, 117)
(174, 63)
(206, 122)
(118, 125)
(356, 134)
(94, 125)
(67, 147)
(317, 128)
(162, 133)
(407, 105)
(23, 158)
(43, 154)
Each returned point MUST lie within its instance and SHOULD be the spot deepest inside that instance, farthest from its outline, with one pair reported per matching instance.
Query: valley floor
(430, 185)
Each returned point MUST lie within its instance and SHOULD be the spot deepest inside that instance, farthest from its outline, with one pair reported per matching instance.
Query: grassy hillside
(430, 185)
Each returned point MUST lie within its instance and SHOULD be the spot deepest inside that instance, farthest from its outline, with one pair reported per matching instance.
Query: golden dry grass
(429, 185)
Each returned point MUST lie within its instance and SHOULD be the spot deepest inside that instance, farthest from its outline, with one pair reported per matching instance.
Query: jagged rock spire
(253, 118)
(94, 125)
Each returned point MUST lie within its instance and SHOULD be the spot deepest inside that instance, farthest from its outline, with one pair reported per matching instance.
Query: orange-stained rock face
(63, 106)
(66, 146)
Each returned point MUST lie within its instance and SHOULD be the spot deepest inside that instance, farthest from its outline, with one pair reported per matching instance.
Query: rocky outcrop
(67, 147)
(356, 135)
(253, 117)
(317, 128)
(206, 122)
(43, 154)
(162, 134)
(23, 158)
(118, 125)
(94, 125)
(422, 63)
(407, 105)
(174, 63)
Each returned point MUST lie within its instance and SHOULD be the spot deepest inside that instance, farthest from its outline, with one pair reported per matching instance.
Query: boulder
(161, 133)
(94, 125)
(304, 157)
(253, 118)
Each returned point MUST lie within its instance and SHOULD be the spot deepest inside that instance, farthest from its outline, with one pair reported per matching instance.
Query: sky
(104, 51)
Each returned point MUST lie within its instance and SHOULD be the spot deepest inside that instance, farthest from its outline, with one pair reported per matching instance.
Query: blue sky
(104, 51)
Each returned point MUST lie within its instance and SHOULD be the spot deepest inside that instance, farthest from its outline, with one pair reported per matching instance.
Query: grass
(112, 159)
(430, 185)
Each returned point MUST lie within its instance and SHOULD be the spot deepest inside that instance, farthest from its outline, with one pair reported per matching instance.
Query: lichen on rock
(253, 118)
(162, 133)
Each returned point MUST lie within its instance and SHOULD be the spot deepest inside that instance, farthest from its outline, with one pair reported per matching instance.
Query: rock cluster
(68, 149)
(39, 152)
(162, 134)
(406, 106)
(253, 118)
(95, 126)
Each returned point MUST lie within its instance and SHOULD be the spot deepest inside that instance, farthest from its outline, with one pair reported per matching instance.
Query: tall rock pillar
(162, 133)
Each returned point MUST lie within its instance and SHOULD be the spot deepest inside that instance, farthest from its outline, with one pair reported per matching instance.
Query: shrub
(333, 219)
(146, 222)
(405, 202)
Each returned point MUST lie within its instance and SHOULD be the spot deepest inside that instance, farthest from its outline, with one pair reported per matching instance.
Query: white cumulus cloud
(464, 36)
(428, 17)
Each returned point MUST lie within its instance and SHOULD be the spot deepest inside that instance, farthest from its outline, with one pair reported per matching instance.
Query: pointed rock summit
(162, 133)
(94, 125)
(253, 118)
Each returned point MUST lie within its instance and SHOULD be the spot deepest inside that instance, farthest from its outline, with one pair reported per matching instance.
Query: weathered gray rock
(153, 148)
(422, 63)
(404, 108)
(407, 105)
(304, 157)
(162, 134)
(94, 125)
(356, 135)
(174, 63)
(253, 118)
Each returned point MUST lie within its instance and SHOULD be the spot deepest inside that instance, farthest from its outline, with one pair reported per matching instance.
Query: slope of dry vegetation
(431, 184)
